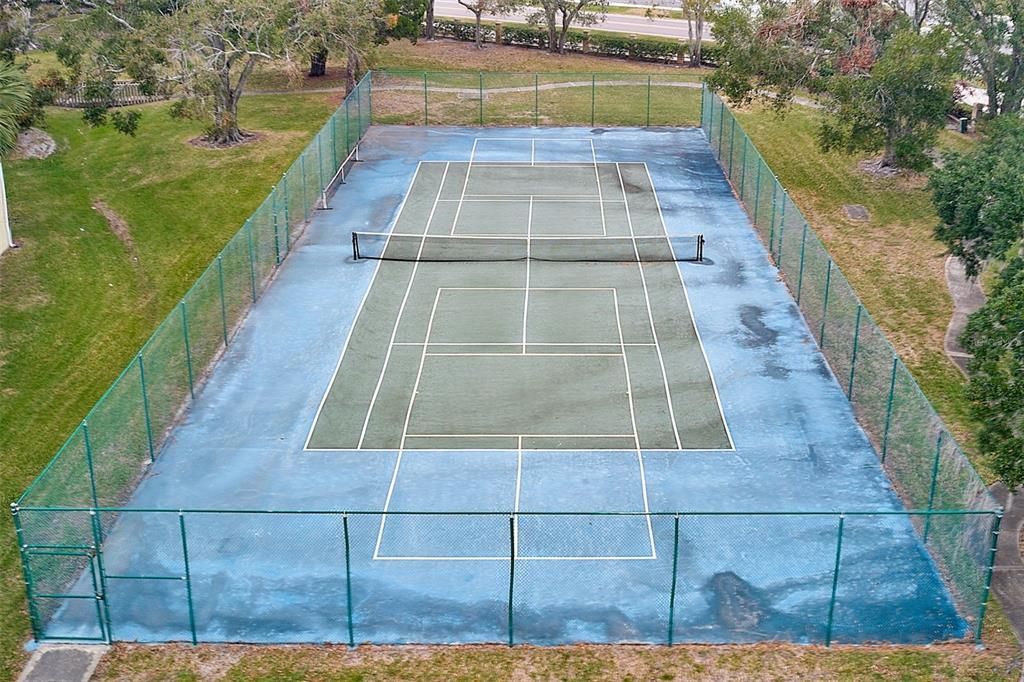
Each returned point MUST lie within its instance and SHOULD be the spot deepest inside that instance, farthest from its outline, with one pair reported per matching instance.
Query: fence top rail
(378, 512)
(567, 74)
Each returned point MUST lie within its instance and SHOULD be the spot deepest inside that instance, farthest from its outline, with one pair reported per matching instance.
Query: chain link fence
(917, 451)
(228, 575)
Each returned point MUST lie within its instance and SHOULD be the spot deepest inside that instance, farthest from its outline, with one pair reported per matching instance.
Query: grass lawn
(86, 289)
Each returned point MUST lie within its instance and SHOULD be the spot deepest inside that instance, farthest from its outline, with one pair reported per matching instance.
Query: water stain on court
(758, 334)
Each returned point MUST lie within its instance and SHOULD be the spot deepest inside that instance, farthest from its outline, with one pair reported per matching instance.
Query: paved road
(665, 28)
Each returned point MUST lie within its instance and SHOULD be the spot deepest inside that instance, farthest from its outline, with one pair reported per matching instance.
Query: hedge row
(605, 44)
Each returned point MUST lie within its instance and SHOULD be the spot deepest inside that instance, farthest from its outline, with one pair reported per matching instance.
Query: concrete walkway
(1008, 576)
(967, 298)
(62, 663)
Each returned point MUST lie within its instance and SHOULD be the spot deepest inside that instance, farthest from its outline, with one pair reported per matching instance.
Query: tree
(696, 11)
(558, 16)
(883, 85)
(980, 196)
(992, 32)
(429, 32)
(347, 26)
(995, 337)
(481, 7)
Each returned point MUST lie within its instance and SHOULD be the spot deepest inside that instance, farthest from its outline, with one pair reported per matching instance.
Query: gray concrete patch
(856, 212)
(1008, 576)
(967, 298)
(62, 663)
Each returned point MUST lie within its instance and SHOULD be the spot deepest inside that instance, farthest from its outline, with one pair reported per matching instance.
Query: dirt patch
(118, 225)
(248, 137)
(33, 144)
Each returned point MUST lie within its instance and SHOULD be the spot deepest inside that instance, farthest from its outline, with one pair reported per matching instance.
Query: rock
(33, 144)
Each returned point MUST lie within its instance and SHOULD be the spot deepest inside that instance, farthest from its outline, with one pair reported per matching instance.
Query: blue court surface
(713, 451)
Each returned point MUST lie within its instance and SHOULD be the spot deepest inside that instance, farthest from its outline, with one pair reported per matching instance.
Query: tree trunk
(479, 30)
(351, 71)
(429, 33)
(318, 64)
(889, 155)
(550, 18)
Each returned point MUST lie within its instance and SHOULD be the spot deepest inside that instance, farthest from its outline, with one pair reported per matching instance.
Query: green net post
(511, 575)
(348, 583)
(800, 277)
(648, 124)
(252, 258)
(988, 576)
(536, 100)
(835, 582)
(188, 348)
(89, 464)
(33, 613)
(732, 143)
(145, 406)
(824, 307)
(102, 605)
(672, 593)
(889, 406)
(223, 303)
(743, 167)
(481, 98)
(188, 578)
(593, 99)
(757, 194)
(935, 481)
(426, 120)
(853, 354)
(302, 172)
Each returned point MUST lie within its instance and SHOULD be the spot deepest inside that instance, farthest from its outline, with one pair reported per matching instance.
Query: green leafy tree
(482, 7)
(883, 85)
(558, 16)
(995, 337)
(979, 196)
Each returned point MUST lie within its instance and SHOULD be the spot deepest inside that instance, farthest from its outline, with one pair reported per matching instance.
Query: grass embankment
(590, 663)
(113, 230)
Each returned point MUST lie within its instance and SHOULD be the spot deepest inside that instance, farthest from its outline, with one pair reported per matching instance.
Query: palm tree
(15, 102)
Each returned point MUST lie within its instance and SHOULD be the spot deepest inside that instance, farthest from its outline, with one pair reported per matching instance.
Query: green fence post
(302, 171)
(319, 170)
(33, 613)
(145, 407)
(481, 98)
(426, 121)
(732, 144)
(288, 213)
(824, 307)
(935, 480)
(771, 229)
(648, 124)
(711, 114)
(536, 100)
(334, 142)
(672, 594)
(273, 214)
(853, 355)
(835, 581)
(757, 195)
(988, 576)
(188, 348)
(187, 578)
(721, 127)
(511, 574)
(348, 122)
(593, 99)
(800, 277)
(782, 230)
(359, 116)
(252, 257)
(348, 583)
(223, 303)
(369, 105)
(102, 607)
(743, 168)
(888, 406)
(88, 461)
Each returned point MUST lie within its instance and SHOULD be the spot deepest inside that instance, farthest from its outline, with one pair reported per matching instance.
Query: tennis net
(468, 249)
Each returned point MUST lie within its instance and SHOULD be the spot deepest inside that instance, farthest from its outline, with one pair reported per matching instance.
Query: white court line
(465, 183)
(537, 237)
(518, 557)
(526, 296)
(522, 435)
(693, 321)
(636, 432)
(508, 355)
(650, 315)
(405, 429)
(359, 310)
(516, 343)
(600, 194)
(512, 449)
(401, 311)
(522, 198)
(530, 288)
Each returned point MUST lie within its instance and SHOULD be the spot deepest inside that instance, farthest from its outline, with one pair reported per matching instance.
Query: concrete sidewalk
(1008, 576)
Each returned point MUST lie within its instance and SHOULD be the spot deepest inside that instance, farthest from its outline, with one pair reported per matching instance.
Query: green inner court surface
(545, 311)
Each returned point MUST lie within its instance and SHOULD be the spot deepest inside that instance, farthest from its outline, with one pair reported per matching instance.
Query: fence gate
(64, 594)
